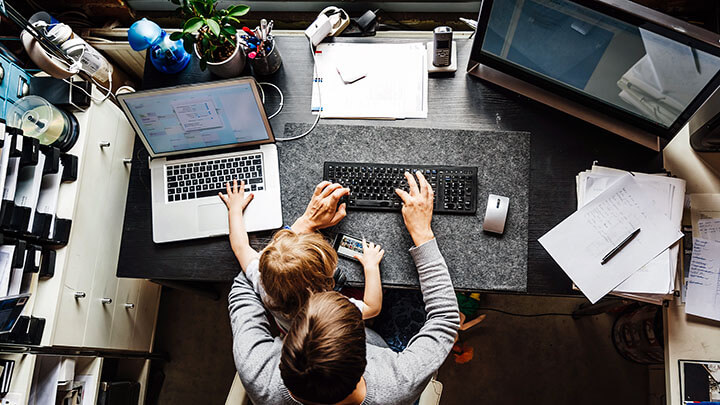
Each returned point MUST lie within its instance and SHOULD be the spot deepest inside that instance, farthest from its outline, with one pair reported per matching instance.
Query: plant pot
(230, 67)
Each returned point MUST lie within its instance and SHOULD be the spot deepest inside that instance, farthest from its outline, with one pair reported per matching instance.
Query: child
(294, 266)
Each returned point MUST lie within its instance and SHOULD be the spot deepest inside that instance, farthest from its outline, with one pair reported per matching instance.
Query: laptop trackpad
(212, 217)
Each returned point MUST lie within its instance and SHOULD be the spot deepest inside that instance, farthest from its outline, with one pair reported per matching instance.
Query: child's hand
(372, 255)
(235, 200)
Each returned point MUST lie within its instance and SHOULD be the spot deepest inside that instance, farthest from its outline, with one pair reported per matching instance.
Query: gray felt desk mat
(477, 260)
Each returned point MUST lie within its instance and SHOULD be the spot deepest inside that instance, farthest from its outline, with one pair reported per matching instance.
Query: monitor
(200, 117)
(614, 63)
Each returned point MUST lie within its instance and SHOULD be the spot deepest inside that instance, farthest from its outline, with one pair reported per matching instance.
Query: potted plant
(211, 35)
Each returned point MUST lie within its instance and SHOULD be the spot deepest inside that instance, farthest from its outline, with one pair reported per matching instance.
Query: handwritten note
(703, 282)
(579, 242)
(709, 228)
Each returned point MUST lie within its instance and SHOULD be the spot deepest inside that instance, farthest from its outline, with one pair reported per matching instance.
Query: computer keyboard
(206, 178)
(372, 185)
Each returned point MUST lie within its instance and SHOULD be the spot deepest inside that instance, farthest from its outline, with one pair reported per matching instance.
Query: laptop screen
(194, 118)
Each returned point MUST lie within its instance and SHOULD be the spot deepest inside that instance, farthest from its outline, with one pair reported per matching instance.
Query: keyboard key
(255, 181)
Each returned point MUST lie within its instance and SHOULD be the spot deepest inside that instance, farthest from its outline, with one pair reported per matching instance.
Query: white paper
(703, 283)
(6, 256)
(28, 187)
(394, 86)
(666, 193)
(11, 179)
(709, 228)
(89, 383)
(4, 159)
(45, 381)
(16, 279)
(579, 243)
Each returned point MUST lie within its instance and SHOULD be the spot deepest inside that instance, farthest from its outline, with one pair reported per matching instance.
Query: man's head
(293, 266)
(323, 355)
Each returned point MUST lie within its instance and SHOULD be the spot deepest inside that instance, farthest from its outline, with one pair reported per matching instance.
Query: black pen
(619, 247)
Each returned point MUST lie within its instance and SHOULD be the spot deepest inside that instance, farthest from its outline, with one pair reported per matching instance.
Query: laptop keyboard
(186, 181)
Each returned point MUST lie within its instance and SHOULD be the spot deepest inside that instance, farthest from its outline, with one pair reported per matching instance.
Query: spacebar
(371, 203)
(208, 193)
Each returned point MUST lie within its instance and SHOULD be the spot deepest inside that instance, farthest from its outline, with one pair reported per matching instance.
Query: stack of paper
(611, 205)
(385, 81)
(655, 281)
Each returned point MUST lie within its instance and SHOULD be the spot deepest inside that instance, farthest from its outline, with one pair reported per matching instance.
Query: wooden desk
(561, 146)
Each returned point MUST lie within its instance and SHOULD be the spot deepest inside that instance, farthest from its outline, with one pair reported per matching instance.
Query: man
(328, 357)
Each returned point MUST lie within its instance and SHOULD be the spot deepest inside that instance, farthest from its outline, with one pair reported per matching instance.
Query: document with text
(579, 243)
(703, 282)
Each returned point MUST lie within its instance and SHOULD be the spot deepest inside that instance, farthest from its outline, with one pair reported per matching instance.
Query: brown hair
(323, 354)
(293, 266)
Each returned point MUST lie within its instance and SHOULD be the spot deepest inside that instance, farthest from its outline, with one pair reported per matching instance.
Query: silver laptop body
(188, 132)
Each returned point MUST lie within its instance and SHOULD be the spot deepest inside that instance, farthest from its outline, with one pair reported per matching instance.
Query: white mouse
(496, 213)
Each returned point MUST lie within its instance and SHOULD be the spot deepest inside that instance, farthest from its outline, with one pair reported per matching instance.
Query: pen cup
(267, 63)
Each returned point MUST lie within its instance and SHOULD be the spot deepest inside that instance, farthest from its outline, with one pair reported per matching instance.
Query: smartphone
(348, 246)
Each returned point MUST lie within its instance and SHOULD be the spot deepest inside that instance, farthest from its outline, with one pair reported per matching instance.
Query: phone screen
(349, 246)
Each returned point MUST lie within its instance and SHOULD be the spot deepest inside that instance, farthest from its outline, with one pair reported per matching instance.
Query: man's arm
(428, 349)
(256, 353)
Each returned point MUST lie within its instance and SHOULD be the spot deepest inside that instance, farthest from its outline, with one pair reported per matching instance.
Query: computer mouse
(496, 213)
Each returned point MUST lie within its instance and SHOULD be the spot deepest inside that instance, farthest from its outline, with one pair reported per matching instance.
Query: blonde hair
(293, 266)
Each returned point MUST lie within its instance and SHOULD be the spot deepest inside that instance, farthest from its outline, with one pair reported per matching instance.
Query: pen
(263, 28)
(619, 247)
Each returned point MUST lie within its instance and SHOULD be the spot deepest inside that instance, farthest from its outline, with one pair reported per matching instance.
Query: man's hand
(417, 208)
(235, 200)
(322, 211)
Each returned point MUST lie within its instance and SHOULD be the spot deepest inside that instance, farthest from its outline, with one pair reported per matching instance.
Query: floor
(541, 360)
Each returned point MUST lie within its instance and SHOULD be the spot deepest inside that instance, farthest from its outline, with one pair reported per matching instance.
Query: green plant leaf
(205, 44)
(188, 45)
(176, 35)
(238, 10)
(214, 26)
(193, 24)
(233, 19)
(230, 30)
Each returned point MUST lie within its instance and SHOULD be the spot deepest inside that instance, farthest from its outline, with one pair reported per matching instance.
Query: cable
(317, 119)
(128, 88)
(532, 315)
(282, 98)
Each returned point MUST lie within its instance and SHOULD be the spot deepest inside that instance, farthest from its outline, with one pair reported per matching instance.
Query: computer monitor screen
(198, 117)
(624, 66)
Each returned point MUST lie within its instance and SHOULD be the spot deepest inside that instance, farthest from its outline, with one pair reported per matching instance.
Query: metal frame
(571, 101)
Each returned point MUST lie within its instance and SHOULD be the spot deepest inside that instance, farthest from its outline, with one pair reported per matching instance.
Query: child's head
(323, 354)
(293, 266)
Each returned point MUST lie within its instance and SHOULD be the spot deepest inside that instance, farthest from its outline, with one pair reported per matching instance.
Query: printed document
(579, 243)
(394, 84)
(703, 283)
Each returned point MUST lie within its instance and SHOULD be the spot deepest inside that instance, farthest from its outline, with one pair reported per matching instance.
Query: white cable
(282, 98)
(121, 88)
(317, 119)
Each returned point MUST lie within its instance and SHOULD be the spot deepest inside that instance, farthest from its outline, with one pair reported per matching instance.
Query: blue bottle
(166, 55)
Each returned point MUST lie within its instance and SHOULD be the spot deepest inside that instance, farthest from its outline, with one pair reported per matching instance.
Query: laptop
(200, 137)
